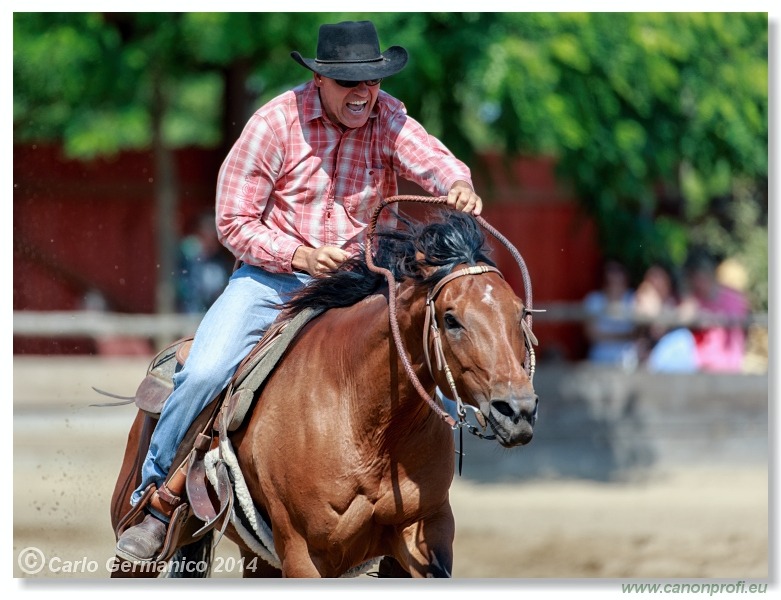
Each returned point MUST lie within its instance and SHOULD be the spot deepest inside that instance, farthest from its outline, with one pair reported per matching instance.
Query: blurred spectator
(721, 311)
(609, 326)
(204, 267)
(656, 295)
(663, 347)
(730, 273)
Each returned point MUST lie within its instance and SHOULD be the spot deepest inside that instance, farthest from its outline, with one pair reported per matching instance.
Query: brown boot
(142, 542)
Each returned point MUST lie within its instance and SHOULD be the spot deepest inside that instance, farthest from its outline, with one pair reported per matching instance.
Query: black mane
(453, 240)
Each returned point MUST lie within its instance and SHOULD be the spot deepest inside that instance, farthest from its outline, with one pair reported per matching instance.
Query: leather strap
(165, 501)
(197, 483)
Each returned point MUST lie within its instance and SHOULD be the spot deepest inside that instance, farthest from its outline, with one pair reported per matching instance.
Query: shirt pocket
(368, 180)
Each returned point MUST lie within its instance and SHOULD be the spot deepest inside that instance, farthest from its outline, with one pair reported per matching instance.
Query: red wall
(81, 226)
(91, 225)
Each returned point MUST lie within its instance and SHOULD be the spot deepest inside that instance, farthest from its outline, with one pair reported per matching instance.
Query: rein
(431, 324)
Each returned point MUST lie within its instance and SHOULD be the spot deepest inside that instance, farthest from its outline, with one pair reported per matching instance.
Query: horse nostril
(517, 410)
(503, 407)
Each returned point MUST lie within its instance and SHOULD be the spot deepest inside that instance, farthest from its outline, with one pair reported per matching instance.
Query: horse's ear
(424, 269)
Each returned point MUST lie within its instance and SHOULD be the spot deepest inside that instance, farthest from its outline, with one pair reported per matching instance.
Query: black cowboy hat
(351, 50)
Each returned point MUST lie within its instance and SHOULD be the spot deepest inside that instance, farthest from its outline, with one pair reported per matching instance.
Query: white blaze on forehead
(487, 296)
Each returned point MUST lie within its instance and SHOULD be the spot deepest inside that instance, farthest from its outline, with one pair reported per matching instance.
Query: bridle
(431, 330)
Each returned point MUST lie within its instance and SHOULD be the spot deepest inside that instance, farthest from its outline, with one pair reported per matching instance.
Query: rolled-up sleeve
(245, 187)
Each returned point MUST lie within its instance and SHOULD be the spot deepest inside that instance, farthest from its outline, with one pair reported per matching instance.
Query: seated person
(720, 313)
(664, 347)
(609, 326)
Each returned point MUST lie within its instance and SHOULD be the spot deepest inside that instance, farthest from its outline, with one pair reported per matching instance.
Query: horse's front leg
(427, 545)
(293, 551)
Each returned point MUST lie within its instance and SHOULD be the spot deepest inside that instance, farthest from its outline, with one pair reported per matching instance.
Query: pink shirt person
(720, 346)
(275, 193)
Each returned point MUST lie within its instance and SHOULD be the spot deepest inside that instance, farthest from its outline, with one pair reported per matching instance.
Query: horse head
(478, 324)
(474, 330)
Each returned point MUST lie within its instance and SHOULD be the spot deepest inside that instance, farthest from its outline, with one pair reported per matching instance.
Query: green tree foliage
(658, 120)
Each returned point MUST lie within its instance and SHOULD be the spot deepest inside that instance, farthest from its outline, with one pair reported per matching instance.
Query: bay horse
(347, 453)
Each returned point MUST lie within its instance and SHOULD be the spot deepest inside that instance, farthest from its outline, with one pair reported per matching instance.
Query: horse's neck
(402, 409)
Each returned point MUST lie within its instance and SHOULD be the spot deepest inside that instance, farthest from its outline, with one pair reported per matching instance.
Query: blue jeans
(225, 336)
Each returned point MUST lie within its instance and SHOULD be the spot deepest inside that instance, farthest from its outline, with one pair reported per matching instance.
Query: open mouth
(357, 106)
(509, 436)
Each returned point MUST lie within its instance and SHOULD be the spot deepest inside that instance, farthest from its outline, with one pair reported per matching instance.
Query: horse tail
(193, 560)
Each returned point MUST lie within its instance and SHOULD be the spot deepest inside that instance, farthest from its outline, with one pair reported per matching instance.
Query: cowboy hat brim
(393, 60)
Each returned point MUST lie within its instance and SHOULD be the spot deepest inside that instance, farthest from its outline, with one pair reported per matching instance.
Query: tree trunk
(238, 104)
(166, 200)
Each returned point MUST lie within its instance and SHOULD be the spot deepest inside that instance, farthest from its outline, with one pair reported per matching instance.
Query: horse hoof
(142, 542)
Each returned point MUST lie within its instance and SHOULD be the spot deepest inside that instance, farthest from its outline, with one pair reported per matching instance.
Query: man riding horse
(294, 197)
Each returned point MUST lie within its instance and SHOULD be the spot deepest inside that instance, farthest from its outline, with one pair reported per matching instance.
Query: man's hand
(318, 261)
(462, 197)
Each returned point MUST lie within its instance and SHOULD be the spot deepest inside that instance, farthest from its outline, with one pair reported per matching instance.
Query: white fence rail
(102, 324)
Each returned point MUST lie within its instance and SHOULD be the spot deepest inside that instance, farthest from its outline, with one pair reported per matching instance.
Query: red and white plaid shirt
(294, 178)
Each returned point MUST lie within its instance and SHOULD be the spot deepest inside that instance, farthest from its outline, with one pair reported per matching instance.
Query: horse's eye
(451, 322)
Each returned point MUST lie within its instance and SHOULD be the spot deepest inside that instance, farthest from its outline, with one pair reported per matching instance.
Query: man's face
(349, 107)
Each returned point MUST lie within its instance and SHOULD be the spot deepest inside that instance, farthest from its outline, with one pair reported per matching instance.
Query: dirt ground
(703, 522)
